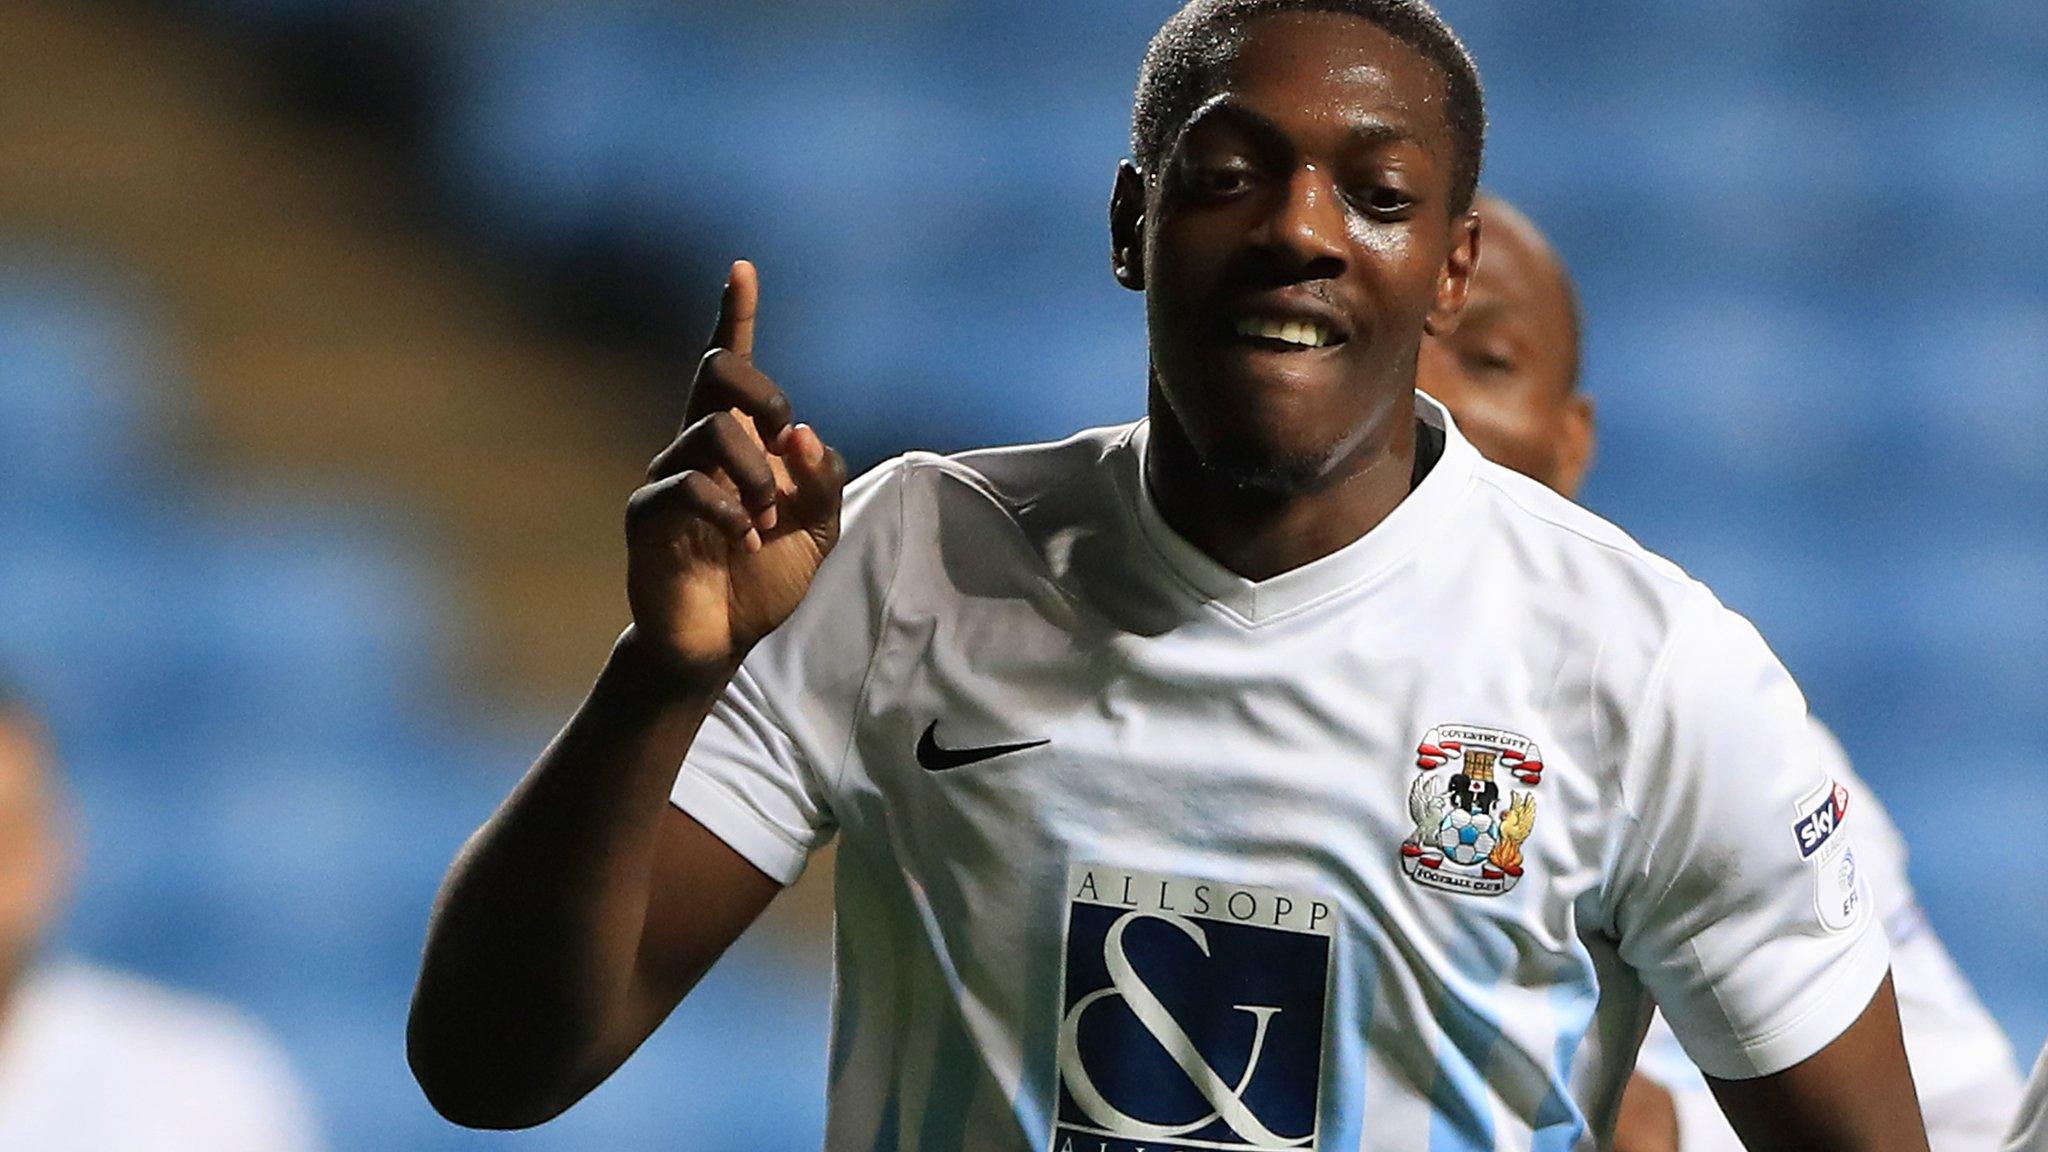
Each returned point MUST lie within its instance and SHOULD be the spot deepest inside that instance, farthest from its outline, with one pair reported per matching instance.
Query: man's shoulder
(1071, 479)
(1567, 551)
(1020, 475)
(990, 507)
(1652, 636)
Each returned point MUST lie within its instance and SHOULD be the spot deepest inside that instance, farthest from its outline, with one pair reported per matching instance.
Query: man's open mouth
(1286, 335)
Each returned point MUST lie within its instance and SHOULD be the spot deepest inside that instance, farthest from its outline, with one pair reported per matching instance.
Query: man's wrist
(640, 671)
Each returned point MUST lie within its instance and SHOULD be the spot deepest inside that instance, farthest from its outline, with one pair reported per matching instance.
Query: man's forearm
(531, 955)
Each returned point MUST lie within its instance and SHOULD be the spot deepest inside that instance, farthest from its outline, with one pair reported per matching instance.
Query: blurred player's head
(1509, 371)
(31, 854)
(1297, 214)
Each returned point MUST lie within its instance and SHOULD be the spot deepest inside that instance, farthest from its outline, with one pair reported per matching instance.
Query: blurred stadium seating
(1812, 255)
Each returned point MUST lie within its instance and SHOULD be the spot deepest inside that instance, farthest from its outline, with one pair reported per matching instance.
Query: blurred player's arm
(1855, 1095)
(1649, 1118)
(587, 906)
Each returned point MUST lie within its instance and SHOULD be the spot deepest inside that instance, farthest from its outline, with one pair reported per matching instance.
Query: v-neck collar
(1257, 601)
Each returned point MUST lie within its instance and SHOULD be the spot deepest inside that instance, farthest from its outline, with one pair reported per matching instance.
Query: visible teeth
(1306, 334)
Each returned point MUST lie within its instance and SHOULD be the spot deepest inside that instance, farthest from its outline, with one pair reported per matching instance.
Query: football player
(93, 1059)
(1509, 374)
(1138, 745)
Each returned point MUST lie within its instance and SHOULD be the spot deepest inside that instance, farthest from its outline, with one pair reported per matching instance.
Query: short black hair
(1179, 72)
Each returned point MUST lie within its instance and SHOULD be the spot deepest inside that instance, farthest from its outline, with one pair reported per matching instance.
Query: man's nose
(1305, 231)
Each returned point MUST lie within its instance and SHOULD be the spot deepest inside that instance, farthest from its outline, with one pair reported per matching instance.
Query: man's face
(1508, 372)
(29, 854)
(1297, 239)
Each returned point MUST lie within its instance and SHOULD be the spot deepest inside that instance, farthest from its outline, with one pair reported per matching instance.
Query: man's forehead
(1361, 125)
(1504, 278)
(1527, 305)
(1357, 72)
(1485, 310)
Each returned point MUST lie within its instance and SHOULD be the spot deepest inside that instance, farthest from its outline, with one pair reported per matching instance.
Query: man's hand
(737, 512)
(1649, 1118)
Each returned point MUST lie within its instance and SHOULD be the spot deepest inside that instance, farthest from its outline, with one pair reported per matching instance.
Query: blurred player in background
(97, 1061)
(1271, 773)
(2030, 1130)
(1509, 373)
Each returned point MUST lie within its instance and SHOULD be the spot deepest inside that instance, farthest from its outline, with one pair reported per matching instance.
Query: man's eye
(1489, 363)
(1384, 201)
(1221, 181)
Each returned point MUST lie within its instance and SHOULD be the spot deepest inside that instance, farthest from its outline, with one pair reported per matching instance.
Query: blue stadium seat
(83, 402)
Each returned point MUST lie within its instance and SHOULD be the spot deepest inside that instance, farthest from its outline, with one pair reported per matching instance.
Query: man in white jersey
(99, 1061)
(1271, 773)
(1510, 376)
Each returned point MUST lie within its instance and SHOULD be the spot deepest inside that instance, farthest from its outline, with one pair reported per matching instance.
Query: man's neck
(1260, 535)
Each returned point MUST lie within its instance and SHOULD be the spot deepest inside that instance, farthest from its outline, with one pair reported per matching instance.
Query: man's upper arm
(1739, 900)
(703, 895)
(1854, 1094)
(1735, 891)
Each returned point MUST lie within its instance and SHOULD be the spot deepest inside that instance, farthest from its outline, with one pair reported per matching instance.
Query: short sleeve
(761, 771)
(1735, 888)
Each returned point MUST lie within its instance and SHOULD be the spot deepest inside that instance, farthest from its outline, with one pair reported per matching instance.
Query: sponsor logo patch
(1820, 821)
(1468, 831)
(1838, 894)
(1193, 1014)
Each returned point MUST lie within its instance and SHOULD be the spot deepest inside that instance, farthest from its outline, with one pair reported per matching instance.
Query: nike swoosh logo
(933, 758)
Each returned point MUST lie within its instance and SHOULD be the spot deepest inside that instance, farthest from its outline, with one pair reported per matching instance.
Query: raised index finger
(735, 329)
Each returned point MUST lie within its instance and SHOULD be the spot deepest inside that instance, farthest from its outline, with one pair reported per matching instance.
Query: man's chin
(1264, 445)
(1269, 473)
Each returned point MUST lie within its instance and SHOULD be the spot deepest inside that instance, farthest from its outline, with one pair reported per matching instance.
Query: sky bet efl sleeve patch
(1837, 893)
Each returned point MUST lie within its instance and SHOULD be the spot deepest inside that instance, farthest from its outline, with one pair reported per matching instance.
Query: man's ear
(1456, 279)
(1127, 227)
(1575, 446)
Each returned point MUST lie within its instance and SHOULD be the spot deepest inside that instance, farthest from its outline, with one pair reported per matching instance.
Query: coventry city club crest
(1468, 831)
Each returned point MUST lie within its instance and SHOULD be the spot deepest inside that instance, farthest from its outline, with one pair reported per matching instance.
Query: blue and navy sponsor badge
(1838, 888)
(1193, 1014)
(1819, 817)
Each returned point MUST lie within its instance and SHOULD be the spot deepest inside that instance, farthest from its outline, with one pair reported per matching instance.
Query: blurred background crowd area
(333, 334)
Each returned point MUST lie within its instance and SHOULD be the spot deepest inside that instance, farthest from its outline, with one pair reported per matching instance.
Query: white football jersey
(2030, 1130)
(98, 1061)
(1963, 1065)
(1390, 851)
